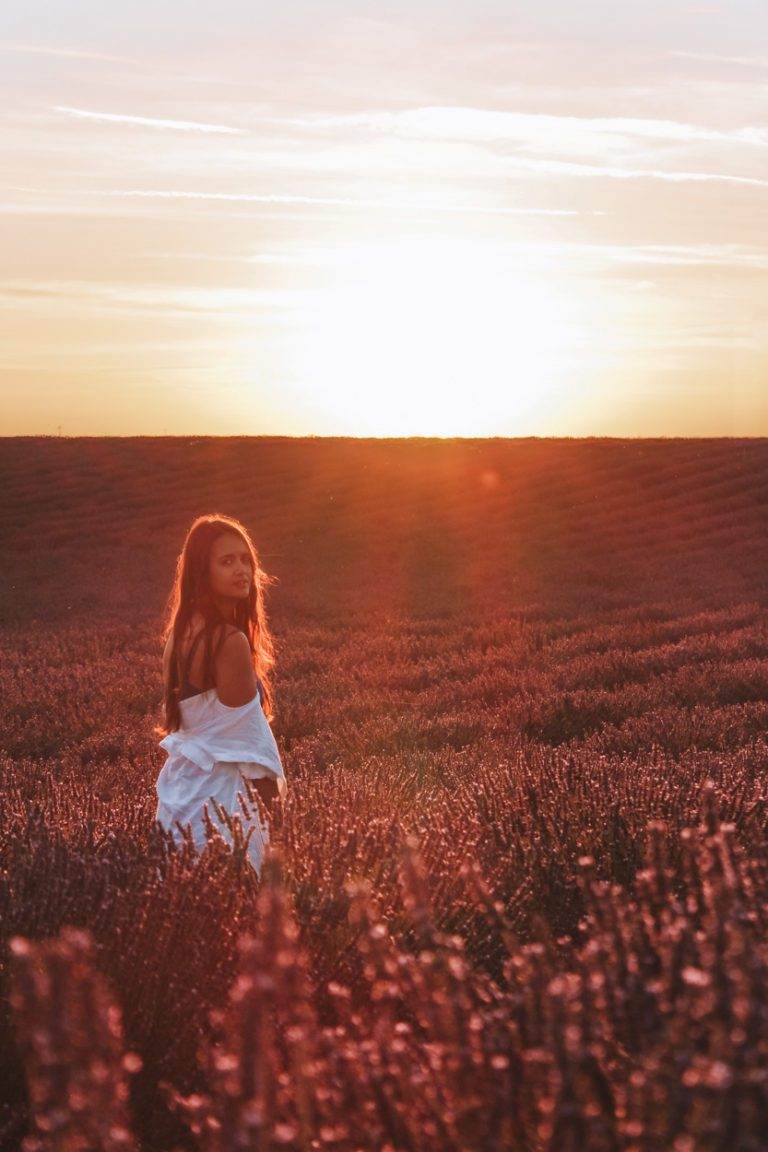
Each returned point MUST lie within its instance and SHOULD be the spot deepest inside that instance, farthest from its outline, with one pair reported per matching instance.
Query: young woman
(218, 697)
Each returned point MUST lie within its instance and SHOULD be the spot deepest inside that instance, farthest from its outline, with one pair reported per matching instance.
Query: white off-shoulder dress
(208, 757)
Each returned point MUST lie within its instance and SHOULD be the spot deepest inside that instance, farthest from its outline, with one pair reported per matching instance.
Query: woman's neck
(226, 607)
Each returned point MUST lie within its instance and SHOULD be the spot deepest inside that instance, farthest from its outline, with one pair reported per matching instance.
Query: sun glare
(438, 338)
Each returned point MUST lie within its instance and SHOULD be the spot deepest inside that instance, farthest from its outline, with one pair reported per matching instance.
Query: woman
(218, 697)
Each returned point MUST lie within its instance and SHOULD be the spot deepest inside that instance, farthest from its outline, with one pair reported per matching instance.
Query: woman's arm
(235, 678)
(235, 687)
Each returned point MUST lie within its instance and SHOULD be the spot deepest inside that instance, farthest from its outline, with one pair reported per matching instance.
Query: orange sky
(393, 219)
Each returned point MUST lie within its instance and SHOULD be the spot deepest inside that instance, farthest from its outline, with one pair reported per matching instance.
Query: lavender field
(517, 896)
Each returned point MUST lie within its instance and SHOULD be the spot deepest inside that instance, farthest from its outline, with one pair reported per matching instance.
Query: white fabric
(209, 755)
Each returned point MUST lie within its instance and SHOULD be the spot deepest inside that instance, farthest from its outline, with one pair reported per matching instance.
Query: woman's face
(231, 571)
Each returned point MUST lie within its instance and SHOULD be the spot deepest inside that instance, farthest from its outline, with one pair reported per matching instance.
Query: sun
(436, 338)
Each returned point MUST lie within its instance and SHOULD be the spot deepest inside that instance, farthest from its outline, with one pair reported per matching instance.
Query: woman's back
(192, 659)
(192, 653)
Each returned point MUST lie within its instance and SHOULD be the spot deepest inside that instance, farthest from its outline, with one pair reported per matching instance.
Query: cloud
(567, 168)
(732, 255)
(534, 129)
(745, 61)
(151, 122)
(71, 53)
(347, 202)
(559, 167)
(171, 299)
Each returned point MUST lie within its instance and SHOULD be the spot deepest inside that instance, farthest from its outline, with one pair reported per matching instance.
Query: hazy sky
(455, 218)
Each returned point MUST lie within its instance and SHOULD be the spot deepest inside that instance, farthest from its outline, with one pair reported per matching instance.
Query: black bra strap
(190, 653)
(188, 659)
(193, 645)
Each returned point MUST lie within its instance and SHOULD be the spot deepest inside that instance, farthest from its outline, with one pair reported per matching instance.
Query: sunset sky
(453, 219)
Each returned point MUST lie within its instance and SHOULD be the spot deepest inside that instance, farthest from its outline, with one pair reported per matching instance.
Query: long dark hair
(191, 592)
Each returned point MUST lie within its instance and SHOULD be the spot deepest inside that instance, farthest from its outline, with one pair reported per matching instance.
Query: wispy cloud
(726, 255)
(71, 53)
(173, 298)
(336, 201)
(567, 168)
(745, 61)
(530, 164)
(151, 122)
(116, 209)
(539, 129)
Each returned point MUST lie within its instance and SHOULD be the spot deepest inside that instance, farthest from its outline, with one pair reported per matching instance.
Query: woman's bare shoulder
(235, 679)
